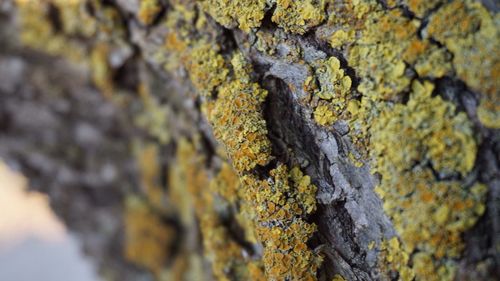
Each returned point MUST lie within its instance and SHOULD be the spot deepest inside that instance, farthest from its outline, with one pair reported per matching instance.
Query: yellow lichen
(299, 16)
(147, 237)
(101, 70)
(237, 121)
(224, 254)
(206, 68)
(334, 87)
(246, 14)
(37, 30)
(382, 53)
(406, 141)
(471, 33)
(280, 204)
(323, 115)
(148, 11)
(226, 183)
(334, 83)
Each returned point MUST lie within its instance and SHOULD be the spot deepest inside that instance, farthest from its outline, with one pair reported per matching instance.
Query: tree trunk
(261, 140)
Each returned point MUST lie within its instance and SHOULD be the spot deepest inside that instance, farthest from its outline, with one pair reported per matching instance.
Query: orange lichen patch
(246, 14)
(148, 11)
(433, 133)
(224, 254)
(299, 16)
(384, 49)
(147, 237)
(226, 183)
(471, 33)
(237, 120)
(280, 204)
(425, 212)
(206, 68)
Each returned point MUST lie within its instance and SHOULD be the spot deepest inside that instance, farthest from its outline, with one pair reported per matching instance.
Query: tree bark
(163, 131)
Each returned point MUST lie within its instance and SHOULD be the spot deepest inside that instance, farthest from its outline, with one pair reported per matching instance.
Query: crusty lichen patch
(409, 143)
(206, 67)
(236, 116)
(280, 204)
(246, 14)
(228, 259)
(472, 34)
(147, 238)
(333, 93)
(299, 16)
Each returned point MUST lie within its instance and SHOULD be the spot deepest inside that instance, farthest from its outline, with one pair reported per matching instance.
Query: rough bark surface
(119, 110)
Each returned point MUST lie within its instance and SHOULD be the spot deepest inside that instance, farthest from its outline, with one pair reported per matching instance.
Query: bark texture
(261, 140)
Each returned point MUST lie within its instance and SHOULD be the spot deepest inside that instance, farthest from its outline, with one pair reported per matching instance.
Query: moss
(298, 16)
(148, 11)
(246, 14)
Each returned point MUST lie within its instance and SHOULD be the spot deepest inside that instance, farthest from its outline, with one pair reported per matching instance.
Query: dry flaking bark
(261, 140)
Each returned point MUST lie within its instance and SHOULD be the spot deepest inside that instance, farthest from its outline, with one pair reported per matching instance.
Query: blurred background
(34, 243)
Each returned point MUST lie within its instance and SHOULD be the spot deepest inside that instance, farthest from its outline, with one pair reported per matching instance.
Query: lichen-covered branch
(267, 139)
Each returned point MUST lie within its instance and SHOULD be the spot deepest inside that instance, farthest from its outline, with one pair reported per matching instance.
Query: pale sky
(34, 244)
